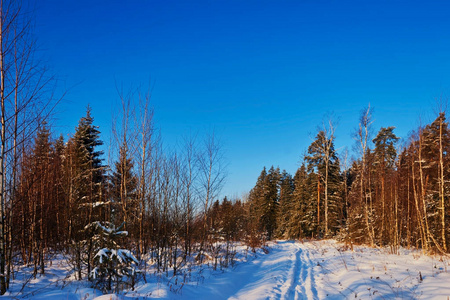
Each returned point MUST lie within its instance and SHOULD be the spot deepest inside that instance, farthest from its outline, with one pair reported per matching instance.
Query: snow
(290, 270)
(102, 254)
(126, 255)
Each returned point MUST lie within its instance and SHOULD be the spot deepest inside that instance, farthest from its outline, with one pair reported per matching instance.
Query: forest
(389, 196)
(106, 210)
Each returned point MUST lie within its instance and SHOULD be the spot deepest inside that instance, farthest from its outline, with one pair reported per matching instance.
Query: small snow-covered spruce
(114, 268)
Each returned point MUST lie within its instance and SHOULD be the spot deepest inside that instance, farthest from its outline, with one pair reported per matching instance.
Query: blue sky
(263, 74)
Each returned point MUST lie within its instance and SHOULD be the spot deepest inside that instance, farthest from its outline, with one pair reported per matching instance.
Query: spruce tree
(268, 206)
(85, 180)
(256, 197)
(114, 268)
(300, 197)
(286, 207)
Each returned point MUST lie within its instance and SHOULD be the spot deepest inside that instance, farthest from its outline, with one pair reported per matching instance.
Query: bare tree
(442, 179)
(189, 176)
(144, 156)
(345, 165)
(23, 81)
(126, 138)
(327, 149)
(211, 176)
(363, 136)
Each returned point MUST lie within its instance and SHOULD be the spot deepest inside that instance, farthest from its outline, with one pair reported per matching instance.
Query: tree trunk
(2, 159)
(423, 191)
(326, 195)
(441, 186)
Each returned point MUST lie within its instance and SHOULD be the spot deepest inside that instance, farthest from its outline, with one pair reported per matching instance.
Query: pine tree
(323, 160)
(385, 152)
(384, 160)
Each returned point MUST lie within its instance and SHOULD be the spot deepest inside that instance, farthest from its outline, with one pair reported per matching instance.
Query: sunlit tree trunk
(422, 194)
(441, 184)
(363, 137)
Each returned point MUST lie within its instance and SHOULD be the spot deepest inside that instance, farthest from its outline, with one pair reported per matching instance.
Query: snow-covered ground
(290, 270)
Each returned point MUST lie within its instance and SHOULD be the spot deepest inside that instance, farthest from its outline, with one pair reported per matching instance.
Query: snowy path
(285, 273)
(291, 270)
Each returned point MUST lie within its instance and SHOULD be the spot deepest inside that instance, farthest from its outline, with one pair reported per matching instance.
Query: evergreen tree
(385, 152)
(269, 204)
(85, 179)
(286, 206)
(383, 163)
(86, 140)
(264, 201)
(322, 160)
(300, 197)
(114, 268)
(255, 197)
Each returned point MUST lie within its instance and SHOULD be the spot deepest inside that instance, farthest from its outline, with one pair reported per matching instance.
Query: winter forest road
(285, 273)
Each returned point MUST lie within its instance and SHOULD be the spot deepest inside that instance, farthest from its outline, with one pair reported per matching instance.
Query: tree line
(390, 195)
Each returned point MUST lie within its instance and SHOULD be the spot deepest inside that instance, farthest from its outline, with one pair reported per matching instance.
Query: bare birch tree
(144, 155)
(126, 138)
(442, 178)
(362, 136)
(189, 176)
(211, 176)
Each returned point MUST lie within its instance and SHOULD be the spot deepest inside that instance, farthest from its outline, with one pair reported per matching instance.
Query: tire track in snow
(289, 288)
(307, 286)
(285, 273)
(299, 282)
(271, 272)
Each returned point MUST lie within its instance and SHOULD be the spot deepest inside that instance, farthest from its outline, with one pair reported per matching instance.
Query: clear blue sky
(262, 73)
